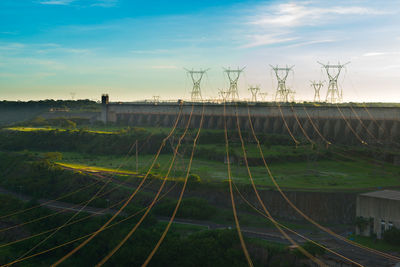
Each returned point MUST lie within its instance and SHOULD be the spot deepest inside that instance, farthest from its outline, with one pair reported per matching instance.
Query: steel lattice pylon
(282, 92)
(317, 87)
(263, 96)
(333, 95)
(233, 76)
(196, 76)
(156, 98)
(223, 94)
(254, 91)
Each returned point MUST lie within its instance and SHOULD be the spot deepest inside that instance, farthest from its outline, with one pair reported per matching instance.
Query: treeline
(81, 141)
(120, 143)
(26, 173)
(67, 123)
(202, 248)
(85, 104)
(210, 145)
(40, 178)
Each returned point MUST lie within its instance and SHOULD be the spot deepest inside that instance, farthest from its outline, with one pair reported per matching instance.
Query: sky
(134, 50)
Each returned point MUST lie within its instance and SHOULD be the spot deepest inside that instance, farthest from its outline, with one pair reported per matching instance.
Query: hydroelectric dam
(341, 123)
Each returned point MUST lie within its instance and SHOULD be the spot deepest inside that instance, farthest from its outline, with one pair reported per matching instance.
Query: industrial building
(379, 210)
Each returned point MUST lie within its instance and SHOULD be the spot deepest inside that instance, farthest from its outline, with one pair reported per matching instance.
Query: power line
(181, 194)
(69, 254)
(116, 248)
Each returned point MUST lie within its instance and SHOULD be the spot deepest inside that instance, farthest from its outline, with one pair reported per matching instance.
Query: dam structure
(342, 123)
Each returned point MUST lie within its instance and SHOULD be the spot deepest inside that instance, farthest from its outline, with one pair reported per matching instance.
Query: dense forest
(50, 103)
(12, 112)
(181, 247)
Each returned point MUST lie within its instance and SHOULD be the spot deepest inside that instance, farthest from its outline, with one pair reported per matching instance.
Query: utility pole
(233, 76)
(317, 87)
(281, 74)
(254, 91)
(334, 95)
(196, 76)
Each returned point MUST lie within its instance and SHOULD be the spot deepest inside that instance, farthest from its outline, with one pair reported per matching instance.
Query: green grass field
(51, 128)
(316, 175)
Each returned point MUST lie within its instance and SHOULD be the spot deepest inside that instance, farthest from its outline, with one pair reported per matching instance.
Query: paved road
(269, 234)
(59, 205)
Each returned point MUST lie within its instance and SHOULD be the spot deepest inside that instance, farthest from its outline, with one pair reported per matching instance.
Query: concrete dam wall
(343, 124)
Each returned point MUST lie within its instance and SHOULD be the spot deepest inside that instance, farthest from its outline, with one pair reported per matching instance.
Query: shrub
(362, 223)
(194, 178)
(53, 156)
(392, 236)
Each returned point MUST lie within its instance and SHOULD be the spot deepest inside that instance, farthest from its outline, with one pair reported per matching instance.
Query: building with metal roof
(377, 212)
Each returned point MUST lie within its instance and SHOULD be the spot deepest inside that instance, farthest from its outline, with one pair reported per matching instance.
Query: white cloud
(97, 3)
(75, 51)
(312, 42)
(57, 2)
(389, 67)
(9, 33)
(153, 51)
(266, 39)
(164, 67)
(106, 3)
(375, 54)
(294, 14)
(11, 46)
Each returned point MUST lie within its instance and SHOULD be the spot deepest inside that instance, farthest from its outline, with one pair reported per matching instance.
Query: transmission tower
(254, 91)
(233, 76)
(263, 96)
(156, 98)
(72, 95)
(334, 95)
(196, 76)
(317, 87)
(223, 95)
(282, 92)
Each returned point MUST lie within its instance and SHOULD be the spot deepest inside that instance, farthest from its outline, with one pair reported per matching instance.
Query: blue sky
(137, 49)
